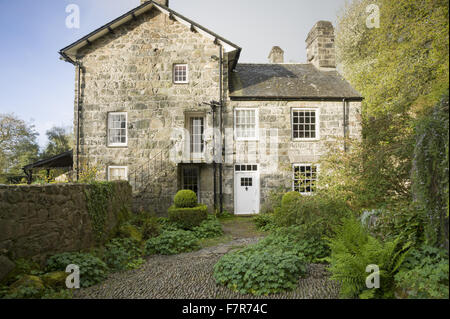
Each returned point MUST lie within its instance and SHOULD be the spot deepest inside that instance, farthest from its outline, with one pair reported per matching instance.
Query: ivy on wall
(430, 183)
(98, 197)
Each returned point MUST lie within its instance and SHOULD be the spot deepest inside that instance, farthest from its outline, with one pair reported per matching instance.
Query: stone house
(163, 102)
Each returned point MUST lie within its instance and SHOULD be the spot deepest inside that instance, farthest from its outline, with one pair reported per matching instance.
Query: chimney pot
(276, 55)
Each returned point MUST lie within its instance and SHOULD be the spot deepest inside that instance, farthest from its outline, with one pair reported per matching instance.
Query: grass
(240, 227)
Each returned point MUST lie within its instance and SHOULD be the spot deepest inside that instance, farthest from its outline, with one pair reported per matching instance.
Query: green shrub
(171, 243)
(92, 269)
(290, 198)
(120, 252)
(315, 249)
(129, 231)
(188, 218)
(261, 269)
(424, 274)
(265, 222)
(320, 212)
(352, 250)
(185, 199)
(209, 228)
(167, 225)
(150, 228)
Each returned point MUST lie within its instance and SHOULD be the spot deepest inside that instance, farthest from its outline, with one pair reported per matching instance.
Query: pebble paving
(190, 276)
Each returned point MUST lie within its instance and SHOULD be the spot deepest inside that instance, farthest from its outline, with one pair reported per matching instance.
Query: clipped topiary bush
(171, 243)
(185, 199)
(188, 218)
(92, 269)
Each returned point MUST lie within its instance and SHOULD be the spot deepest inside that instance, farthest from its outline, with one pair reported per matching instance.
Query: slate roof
(288, 82)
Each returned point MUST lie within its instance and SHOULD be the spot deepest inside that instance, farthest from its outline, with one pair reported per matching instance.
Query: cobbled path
(190, 276)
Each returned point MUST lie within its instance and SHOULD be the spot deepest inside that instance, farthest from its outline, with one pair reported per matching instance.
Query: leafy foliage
(92, 269)
(209, 228)
(60, 140)
(270, 266)
(185, 199)
(265, 221)
(150, 228)
(121, 252)
(430, 172)
(18, 144)
(318, 214)
(424, 274)
(353, 249)
(171, 243)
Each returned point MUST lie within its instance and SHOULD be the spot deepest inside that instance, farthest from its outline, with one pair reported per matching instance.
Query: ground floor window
(190, 179)
(305, 178)
(117, 173)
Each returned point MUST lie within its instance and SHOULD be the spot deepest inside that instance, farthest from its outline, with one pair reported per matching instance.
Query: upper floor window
(305, 178)
(180, 73)
(117, 173)
(197, 129)
(246, 124)
(117, 129)
(305, 124)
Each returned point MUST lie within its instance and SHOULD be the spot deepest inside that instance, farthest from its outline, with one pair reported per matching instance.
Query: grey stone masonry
(320, 46)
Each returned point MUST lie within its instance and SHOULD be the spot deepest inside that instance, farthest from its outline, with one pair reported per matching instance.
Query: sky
(39, 88)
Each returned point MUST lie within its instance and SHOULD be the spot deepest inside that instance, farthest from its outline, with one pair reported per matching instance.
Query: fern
(353, 249)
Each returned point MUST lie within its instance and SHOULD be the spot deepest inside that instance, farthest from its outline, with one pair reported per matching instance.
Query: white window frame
(126, 130)
(300, 109)
(293, 176)
(187, 73)
(256, 137)
(118, 167)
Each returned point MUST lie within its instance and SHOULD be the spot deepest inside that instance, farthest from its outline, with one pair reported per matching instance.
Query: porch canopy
(62, 161)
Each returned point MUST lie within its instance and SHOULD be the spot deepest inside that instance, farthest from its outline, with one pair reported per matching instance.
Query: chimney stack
(276, 55)
(320, 47)
(163, 2)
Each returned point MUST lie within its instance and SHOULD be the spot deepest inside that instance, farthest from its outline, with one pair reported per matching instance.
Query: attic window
(180, 73)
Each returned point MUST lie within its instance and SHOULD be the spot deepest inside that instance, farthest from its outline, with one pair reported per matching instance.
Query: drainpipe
(345, 123)
(213, 109)
(222, 136)
(78, 65)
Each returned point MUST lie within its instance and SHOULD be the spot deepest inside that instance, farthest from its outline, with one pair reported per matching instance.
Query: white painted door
(246, 189)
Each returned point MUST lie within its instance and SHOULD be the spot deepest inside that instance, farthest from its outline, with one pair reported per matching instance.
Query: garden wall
(37, 221)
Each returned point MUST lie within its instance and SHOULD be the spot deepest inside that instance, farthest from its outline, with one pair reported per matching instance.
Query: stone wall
(131, 71)
(275, 119)
(38, 221)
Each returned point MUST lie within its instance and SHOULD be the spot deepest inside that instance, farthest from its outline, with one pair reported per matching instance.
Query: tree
(60, 141)
(18, 144)
(402, 71)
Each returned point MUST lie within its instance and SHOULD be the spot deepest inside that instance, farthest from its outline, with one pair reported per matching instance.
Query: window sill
(118, 146)
(306, 139)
